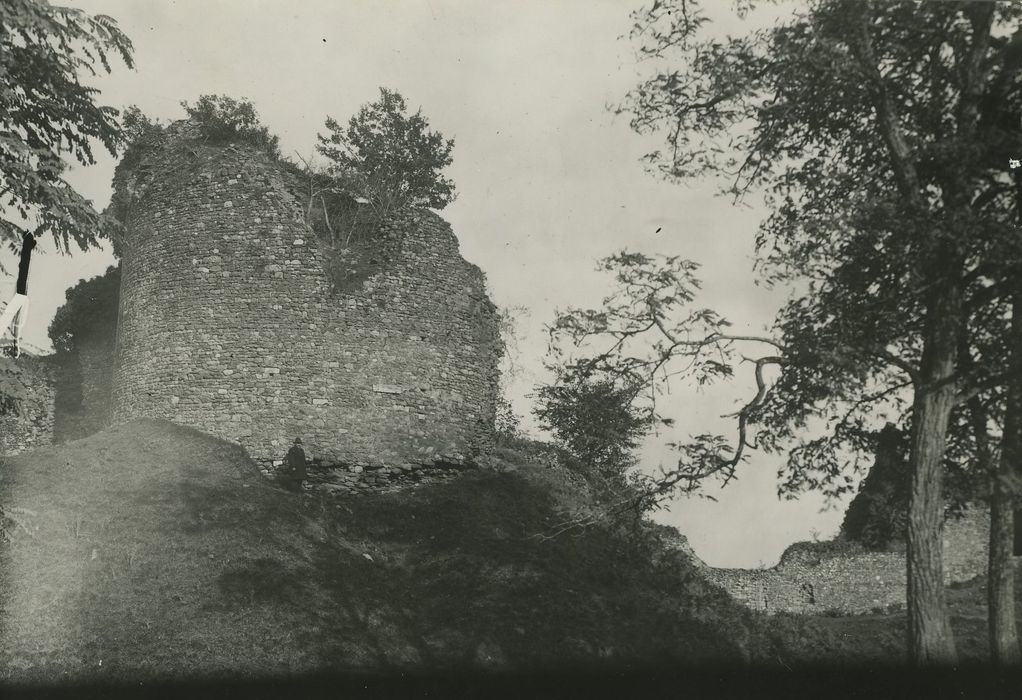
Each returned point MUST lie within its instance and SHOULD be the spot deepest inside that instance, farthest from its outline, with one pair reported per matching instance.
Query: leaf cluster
(647, 334)
(809, 112)
(644, 323)
(46, 111)
(141, 136)
(221, 120)
(593, 418)
(392, 158)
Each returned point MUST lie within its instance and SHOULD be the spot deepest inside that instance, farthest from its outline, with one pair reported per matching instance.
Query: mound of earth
(153, 551)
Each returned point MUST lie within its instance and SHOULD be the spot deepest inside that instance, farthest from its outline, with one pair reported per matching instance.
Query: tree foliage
(391, 159)
(882, 135)
(507, 423)
(138, 131)
(46, 111)
(90, 307)
(141, 135)
(593, 418)
(222, 120)
(649, 334)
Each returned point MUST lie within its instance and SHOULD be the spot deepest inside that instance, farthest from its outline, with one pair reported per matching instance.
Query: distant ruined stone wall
(820, 577)
(227, 322)
(32, 425)
(95, 355)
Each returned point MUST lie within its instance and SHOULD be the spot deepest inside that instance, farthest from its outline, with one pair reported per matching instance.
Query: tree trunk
(930, 637)
(28, 242)
(1004, 647)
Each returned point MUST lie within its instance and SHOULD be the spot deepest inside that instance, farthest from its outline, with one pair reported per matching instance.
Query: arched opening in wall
(1017, 548)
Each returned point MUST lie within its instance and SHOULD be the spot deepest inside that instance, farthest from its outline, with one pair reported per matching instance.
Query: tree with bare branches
(647, 333)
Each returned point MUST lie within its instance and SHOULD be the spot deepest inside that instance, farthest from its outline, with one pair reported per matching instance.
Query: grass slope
(159, 552)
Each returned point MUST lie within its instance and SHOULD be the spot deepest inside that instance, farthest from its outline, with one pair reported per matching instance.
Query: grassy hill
(155, 551)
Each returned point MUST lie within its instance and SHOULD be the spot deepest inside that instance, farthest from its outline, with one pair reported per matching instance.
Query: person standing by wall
(295, 463)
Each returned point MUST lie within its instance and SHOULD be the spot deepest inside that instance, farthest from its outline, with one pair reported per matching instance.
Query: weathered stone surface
(32, 425)
(266, 353)
(351, 480)
(818, 577)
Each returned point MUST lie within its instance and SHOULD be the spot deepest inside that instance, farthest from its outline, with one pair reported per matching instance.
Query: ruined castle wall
(95, 354)
(967, 545)
(32, 425)
(851, 583)
(844, 577)
(227, 323)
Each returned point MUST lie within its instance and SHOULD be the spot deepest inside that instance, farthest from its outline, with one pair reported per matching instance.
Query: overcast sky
(548, 179)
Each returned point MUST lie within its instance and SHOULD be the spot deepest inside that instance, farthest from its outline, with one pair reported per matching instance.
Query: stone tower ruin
(229, 321)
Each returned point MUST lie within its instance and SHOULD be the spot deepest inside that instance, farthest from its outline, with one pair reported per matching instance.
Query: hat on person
(298, 441)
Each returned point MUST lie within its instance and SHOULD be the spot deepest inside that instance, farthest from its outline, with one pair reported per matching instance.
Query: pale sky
(548, 179)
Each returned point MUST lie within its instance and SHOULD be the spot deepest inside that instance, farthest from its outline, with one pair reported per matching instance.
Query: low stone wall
(848, 583)
(341, 480)
(32, 425)
(821, 577)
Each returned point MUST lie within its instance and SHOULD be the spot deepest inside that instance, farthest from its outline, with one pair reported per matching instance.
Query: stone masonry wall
(95, 355)
(84, 333)
(842, 577)
(227, 323)
(32, 426)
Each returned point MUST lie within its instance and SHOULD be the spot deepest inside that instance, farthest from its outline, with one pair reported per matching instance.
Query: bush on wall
(91, 307)
(223, 120)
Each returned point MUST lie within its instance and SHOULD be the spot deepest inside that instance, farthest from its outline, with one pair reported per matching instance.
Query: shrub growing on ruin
(223, 120)
(136, 126)
(217, 119)
(140, 136)
(390, 158)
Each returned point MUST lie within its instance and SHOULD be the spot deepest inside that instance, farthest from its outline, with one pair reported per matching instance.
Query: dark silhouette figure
(27, 244)
(295, 463)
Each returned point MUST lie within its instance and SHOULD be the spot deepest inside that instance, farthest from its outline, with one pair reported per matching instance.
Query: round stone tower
(228, 322)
